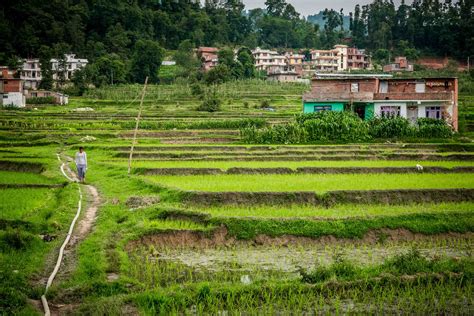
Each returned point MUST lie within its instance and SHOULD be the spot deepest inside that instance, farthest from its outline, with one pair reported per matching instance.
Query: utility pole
(136, 126)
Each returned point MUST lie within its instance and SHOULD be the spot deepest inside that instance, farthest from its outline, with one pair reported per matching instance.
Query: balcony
(436, 96)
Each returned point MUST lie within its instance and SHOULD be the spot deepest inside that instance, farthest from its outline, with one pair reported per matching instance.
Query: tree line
(125, 40)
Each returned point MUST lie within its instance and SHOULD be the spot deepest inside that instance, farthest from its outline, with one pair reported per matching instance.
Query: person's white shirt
(81, 158)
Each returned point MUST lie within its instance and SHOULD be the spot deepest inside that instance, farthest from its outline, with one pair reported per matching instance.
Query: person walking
(81, 164)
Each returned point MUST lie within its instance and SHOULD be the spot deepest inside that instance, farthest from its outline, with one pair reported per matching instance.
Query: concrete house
(269, 60)
(71, 66)
(340, 58)
(400, 64)
(208, 57)
(31, 73)
(11, 89)
(382, 95)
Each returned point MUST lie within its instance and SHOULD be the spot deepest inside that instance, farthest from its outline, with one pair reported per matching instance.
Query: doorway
(359, 109)
(412, 114)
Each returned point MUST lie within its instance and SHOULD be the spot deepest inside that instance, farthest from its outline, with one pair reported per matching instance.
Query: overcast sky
(308, 7)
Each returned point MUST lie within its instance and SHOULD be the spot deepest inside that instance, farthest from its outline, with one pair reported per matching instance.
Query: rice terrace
(161, 176)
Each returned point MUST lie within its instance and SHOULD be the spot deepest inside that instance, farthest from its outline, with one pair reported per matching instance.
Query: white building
(31, 73)
(340, 58)
(269, 60)
(72, 64)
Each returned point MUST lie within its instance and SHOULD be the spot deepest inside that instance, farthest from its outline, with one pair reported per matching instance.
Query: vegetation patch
(16, 166)
(331, 197)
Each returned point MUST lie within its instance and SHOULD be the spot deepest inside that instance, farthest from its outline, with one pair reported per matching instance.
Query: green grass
(8, 177)
(285, 164)
(24, 203)
(316, 182)
(338, 211)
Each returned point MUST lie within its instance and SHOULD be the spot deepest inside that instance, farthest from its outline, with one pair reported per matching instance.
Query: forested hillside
(119, 29)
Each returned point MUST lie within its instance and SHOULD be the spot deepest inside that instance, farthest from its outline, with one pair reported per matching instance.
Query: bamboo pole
(136, 126)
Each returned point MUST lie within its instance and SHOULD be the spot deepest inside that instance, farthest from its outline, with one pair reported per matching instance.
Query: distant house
(31, 73)
(59, 98)
(31, 69)
(269, 60)
(208, 57)
(400, 64)
(340, 58)
(11, 88)
(283, 76)
(70, 66)
(382, 95)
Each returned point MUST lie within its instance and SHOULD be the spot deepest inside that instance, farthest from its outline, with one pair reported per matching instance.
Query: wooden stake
(136, 127)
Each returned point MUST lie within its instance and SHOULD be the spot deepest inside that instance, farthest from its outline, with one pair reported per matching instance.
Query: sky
(308, 7)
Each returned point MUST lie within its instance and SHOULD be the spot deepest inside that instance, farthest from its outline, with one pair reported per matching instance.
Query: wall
(402, 105)
(12, 85)
(335, 106)
(13, 98)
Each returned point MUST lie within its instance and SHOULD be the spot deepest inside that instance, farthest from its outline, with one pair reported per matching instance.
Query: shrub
(433, 128)
(210, 104)
(390, 127)
(337, 126)
(265, 104)
(41, 100)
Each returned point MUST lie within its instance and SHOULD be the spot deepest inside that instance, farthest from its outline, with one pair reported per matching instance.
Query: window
(319, 108)
(34, 94)
(354, 87)
(5, 82)
(5, 96)
(383, 88)
(389, 111)
(420, 87)
(433, 112)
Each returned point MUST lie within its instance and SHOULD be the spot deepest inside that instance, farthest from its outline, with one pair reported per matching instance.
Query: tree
(219, 74)
(108, 69)
(45, 55)
(146, 61)
(246, 62)
(185, 56)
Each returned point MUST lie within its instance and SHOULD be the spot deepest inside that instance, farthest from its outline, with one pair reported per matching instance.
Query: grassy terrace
(8, 177)
(287, 164)
(153, 251)
(338, 211)
(317, 183)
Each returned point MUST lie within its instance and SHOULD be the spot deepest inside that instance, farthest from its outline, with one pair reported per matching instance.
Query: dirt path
(84, 226)
(90, 204)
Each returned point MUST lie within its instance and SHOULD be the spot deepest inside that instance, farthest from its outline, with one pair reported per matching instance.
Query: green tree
(146, 61)
(45, 55)
(108, 69)
(219, 74)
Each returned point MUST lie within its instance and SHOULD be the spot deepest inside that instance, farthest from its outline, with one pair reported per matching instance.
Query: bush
(265, 104)
(210, 104)
(337, 126)
(433, 128)
(41, 100)
(344, 127)
(390, 127)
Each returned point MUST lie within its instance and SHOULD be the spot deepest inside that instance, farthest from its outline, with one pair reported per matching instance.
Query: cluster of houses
(291, 66)
(19, 85)
(382, 95)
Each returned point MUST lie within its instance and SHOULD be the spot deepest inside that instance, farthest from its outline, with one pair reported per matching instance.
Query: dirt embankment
(332, 197)
(23, 166)
(221, 238)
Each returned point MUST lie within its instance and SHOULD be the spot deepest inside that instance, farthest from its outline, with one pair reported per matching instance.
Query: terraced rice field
(207, 225)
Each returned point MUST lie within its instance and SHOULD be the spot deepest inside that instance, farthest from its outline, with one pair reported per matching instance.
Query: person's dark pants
(81, 172)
